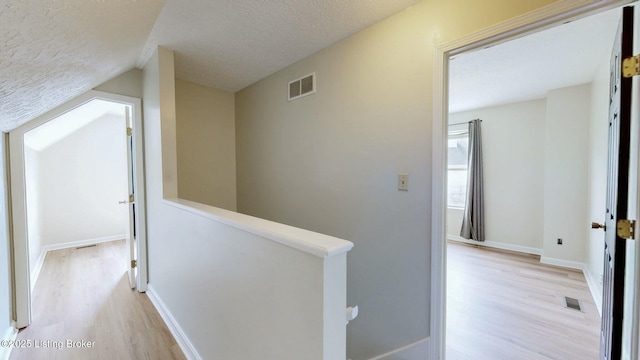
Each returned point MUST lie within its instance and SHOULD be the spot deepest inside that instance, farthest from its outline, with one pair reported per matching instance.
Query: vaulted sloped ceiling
(54, 50)
(230, 44)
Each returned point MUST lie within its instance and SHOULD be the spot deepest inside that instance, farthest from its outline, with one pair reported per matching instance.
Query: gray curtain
(473, 217)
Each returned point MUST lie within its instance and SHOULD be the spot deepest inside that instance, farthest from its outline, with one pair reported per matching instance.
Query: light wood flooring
(504, 305)
(84, 295)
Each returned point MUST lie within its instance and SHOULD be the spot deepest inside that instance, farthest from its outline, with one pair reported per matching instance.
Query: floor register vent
(303, 86)
(572, 303)
(86, 246)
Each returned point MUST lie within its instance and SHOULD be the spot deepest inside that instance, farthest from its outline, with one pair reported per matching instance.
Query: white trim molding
(313, 243)
(183, 341)
(562, 263)
(416, 350)
(595, 287)
(35, 273)
(497, 245)
(10, 335)
(21, 272)
(81, 243)
(555, 13)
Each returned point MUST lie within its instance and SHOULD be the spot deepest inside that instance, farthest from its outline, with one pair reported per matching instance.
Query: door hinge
(626, 229)
(129, 131)
(134, 264)
(131, 198)
(631, 66)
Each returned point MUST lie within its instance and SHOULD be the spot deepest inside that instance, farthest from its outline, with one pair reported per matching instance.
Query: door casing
(19, 238)
(556, 13)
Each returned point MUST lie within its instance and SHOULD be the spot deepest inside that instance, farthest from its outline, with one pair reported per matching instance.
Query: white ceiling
(52, 51)
(526, 68)
(62, 126)
(232, 44)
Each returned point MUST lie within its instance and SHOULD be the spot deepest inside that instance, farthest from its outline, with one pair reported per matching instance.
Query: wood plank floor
(84, 295)
(503, 305)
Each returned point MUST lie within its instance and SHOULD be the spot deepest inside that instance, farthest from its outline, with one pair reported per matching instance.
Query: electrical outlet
(601, 279)
(403, 182)
(559, 241)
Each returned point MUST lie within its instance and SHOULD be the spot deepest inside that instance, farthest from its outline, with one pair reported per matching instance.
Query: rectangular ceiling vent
(303, 86)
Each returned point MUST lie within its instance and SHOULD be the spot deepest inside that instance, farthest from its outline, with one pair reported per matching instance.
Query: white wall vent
(303, 86)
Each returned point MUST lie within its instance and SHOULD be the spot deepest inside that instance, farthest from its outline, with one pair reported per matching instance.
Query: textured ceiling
(526, 68)
(232, 44)
(52, 51)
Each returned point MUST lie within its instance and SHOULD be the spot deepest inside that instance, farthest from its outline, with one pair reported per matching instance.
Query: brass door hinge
(631, 66)
(626, 229)
(131, 198)
(129, 131)
(134, 264)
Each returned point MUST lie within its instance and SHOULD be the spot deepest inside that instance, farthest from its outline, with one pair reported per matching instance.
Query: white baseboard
(35, 273)
(10, 335)
(186, 346)
(595, 288)
(497, 245)
(563, 263)
(80, 243)
(416, 350)
(596, 291)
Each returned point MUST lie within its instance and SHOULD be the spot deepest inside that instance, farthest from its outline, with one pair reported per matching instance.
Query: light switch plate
(403, 182)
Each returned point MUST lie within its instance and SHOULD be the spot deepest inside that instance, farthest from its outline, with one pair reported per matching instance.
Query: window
(458, 144)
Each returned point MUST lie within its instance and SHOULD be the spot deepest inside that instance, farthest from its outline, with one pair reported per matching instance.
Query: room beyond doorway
(525, 138)
(21, 253)
(76, 180)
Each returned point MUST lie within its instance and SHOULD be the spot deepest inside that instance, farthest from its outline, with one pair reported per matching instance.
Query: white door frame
(548, 16)
(20, 243)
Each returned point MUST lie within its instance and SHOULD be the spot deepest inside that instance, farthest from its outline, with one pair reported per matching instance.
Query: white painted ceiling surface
(65, 124)
(52, 51)
(528, 67)
(229, 45)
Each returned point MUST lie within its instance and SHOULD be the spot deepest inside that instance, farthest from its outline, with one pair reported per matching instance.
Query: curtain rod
(463, 123)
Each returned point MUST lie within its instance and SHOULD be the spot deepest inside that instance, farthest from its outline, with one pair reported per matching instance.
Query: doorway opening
(77, 180)
(451, 53)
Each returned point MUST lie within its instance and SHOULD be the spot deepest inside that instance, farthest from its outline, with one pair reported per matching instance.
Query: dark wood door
(617, 192)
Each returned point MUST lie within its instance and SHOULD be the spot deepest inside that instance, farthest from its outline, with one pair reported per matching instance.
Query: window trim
(454, 135)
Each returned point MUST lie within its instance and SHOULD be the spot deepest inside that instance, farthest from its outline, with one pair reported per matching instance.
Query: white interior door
(131, 229)
(631, 324)
(619, 254)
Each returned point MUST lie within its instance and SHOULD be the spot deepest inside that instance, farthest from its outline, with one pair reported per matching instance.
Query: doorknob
(122, 202)
(595, 225)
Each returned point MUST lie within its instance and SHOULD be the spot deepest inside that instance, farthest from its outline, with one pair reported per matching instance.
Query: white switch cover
(403, 181)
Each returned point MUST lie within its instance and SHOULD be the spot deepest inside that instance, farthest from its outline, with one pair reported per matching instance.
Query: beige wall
(67, 176)
(513, 151)
(329, 162)
(256, 295)
(565, 173)
(205, 120)
(128, 83)
(597, 179)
